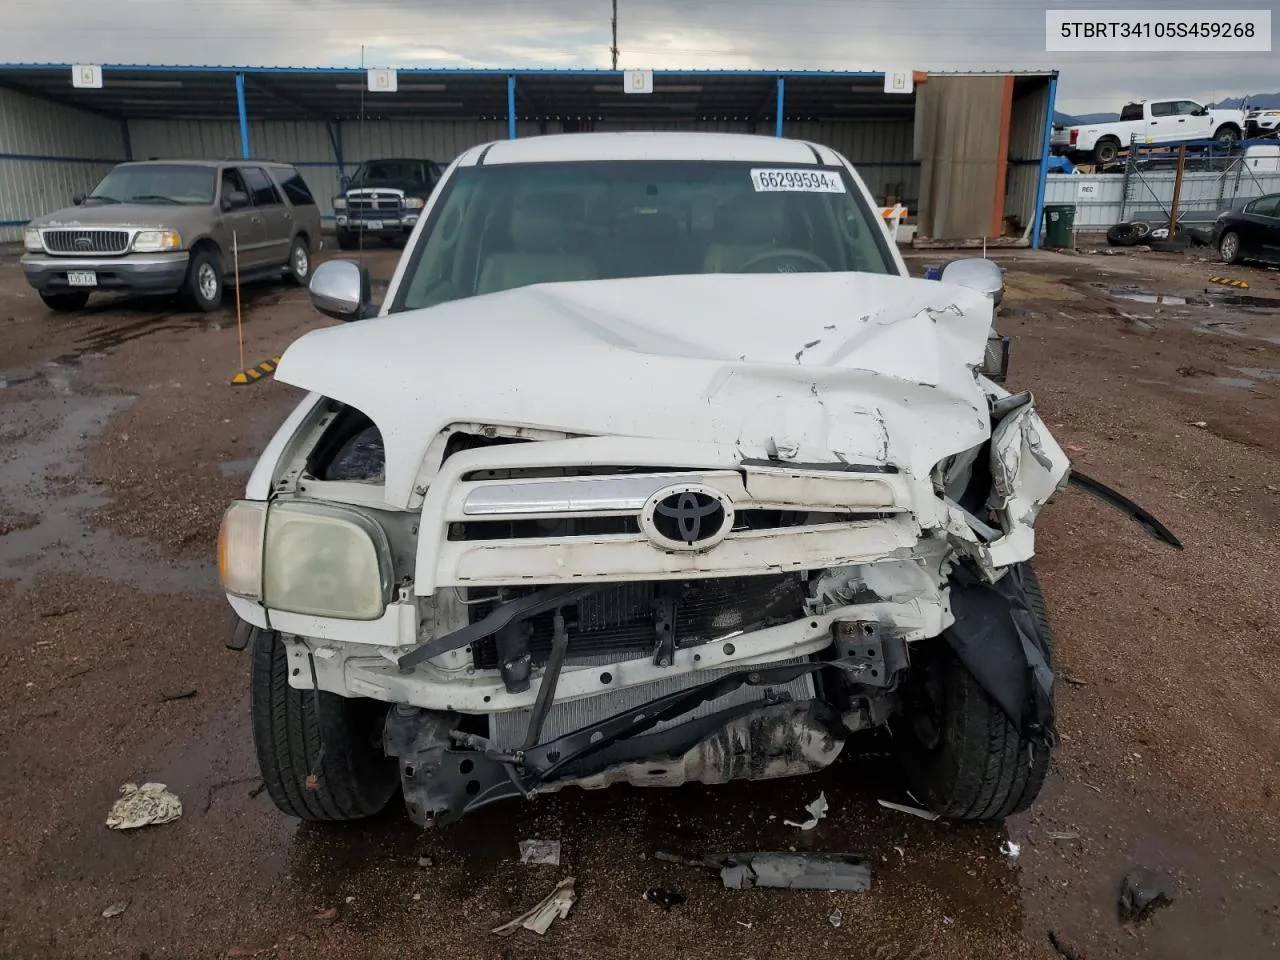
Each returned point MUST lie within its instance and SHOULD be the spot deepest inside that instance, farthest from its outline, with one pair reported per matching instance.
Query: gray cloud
(828, 34)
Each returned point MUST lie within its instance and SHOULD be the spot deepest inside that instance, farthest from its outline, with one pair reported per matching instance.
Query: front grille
(373, 203)
(618, 623)
(85, 241)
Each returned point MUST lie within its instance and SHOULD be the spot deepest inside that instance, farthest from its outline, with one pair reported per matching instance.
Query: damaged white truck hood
(818, 368)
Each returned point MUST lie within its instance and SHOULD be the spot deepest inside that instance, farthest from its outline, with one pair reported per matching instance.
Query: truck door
(1190, 126)
(1162, 124)
(277, 219)
(239, 228)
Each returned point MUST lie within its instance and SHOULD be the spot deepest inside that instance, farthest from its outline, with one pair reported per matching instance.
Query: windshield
(156, 183)
(506, 226)
(390, 170)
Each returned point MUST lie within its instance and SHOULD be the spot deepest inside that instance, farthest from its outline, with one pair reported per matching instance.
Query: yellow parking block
(1228, 282)
(254, 374)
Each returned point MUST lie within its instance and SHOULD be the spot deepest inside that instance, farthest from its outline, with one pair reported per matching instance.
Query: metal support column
(244, 117)
(126, 139)
(1044, 162)
(782, 89)
(511, 106)
(334, 129)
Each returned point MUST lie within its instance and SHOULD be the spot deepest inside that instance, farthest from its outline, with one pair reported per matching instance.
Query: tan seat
(745, 228)
(539, 236)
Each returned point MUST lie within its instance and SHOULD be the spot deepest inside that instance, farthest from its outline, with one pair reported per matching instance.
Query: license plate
(82, 278)
(373, 224)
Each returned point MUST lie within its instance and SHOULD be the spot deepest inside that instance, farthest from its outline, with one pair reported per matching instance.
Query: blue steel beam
(782, 96)
(511, 106)
(244, 117)
(1044, 162)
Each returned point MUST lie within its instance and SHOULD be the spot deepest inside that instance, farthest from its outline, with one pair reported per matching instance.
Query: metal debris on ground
(116, 909)
(152, 803)
(816, 810)
(1063, 835)
(1142, 892)
(836, 918)
(795, 871)
(914, 811)
(664, 898)
(539, 919)
(540, 852)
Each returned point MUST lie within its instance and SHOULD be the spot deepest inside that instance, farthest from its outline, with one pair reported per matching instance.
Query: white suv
(654, 466)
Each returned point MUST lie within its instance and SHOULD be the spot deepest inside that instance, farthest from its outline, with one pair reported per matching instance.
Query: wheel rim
(207, 281)
(301, 262)
(1230, 246)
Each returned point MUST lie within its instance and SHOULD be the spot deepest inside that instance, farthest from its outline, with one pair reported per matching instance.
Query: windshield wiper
(153, 196)
(103, 197)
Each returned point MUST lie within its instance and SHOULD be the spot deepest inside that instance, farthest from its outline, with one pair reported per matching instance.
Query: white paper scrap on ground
(139, 806)
(817, 811)
(555, 904)
(540, 851)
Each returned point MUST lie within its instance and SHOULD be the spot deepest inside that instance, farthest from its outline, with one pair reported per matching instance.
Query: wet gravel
(121, 441)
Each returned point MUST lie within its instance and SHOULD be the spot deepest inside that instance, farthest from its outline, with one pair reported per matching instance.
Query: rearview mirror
(342, 289)
(976, 273)
(234, 200)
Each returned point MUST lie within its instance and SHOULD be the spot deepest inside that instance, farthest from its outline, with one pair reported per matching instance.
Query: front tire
(961, 754)
(1229, 247)
(320, 754)
(65, 302)
(1226, 136)
(203, 287)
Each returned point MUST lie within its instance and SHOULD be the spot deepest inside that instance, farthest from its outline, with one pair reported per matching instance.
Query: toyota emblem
(687, 517)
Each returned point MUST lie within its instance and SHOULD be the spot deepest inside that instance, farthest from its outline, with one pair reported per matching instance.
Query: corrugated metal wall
(1202, 196)
(957, 130)
(1026, 146)
(881, 150)
(47, 154)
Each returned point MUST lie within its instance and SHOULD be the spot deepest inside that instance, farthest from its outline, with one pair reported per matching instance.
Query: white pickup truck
(1150, 122)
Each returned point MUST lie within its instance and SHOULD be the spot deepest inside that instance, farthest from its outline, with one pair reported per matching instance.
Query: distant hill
(1068, 119)
(1265, 101)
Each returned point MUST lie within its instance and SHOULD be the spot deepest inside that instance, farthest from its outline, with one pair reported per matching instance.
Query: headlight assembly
(154, 241)
(32, 241)
(305, 557)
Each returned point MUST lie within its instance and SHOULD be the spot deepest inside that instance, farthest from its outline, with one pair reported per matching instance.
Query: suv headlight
(305, 557)
(339, 203)
(31, 240)
(414, 203)
(153, 241)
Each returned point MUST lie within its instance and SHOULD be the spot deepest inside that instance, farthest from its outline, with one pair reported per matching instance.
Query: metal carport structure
(56, 138)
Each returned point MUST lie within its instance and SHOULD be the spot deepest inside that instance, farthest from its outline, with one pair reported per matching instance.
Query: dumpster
(1060, 219)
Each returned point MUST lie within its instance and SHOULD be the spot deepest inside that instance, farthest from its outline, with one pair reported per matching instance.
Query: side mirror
(976, 273)
(341, 289)
(343, 182)
(235, 200)
(77, 199)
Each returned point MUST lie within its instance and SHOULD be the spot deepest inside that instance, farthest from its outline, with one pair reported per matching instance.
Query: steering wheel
(788, 257)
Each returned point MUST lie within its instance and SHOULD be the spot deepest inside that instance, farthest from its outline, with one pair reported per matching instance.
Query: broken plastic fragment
(795, 871)
(555, 904)
(914, 811)
(1011, 849)
(152, 803)
(116, 909)
(540, 852)
(836, 918)
(816, 810)
(1141, 893)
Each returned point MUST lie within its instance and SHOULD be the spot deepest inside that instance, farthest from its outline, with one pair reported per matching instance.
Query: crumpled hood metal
(820, 367)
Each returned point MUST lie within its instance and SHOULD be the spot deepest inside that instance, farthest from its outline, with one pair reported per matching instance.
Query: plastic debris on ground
(1063, 835)
(540, 852)
(914, 811)
(539, 919)
(816, 810)
(1141, 893)
(1011, 850)
(139, 806)
(795, 871)
(836, 918)
(116, 909)
(664, 898)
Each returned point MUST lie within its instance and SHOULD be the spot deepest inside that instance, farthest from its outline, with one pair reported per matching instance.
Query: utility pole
(614, 24)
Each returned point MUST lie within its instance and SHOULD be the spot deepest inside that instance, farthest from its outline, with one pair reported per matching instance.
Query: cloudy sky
(844, 34)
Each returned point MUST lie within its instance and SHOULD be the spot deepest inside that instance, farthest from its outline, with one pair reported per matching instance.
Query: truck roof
(645, 145)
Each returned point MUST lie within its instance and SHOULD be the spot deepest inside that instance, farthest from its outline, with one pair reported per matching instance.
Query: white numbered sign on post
(87, 75)
(382, 80)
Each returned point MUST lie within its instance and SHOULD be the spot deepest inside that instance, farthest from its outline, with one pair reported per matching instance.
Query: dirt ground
(121, 440)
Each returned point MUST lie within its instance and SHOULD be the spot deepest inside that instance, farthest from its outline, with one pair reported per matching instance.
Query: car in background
(1262, 123)
(175, 226)
(383, 200)
(1251, 232)
(1145, 123)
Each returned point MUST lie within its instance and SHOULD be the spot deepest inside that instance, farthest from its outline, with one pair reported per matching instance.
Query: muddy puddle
(41, 478)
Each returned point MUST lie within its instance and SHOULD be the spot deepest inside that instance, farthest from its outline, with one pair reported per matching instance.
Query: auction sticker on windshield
(802, 181)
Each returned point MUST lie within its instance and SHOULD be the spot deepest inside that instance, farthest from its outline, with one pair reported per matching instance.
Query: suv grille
(373, 202)
(85, 241)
